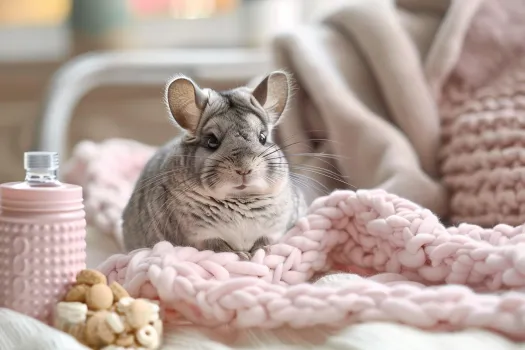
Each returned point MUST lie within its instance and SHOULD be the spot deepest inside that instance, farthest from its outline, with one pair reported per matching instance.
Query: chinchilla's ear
(273, 93)
(186, 102)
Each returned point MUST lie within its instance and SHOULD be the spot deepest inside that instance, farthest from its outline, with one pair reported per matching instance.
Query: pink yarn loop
(412, 255)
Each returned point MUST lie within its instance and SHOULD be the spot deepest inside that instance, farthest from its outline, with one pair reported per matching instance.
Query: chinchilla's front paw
(261, 243)
(244, 256)
(219, 245)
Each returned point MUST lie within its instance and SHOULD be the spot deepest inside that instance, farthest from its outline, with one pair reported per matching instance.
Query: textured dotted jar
(42, 238)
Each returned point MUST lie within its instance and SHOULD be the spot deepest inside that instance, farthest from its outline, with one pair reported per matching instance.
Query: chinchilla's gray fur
(191, 192)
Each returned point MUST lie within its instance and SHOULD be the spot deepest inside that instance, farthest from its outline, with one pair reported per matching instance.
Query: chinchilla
(224, 185)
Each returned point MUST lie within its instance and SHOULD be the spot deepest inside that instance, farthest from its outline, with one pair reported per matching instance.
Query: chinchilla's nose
(243, 172)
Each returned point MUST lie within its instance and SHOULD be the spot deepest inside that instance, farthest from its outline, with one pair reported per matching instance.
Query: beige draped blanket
(368, 77)
(422, 98)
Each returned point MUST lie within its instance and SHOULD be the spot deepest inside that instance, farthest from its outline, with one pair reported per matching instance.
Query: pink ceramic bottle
(42, 238)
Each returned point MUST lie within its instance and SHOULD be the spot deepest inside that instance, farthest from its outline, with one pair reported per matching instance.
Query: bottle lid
(41, 161)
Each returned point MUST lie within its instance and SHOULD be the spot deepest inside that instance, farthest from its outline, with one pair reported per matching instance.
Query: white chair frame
(87, 72)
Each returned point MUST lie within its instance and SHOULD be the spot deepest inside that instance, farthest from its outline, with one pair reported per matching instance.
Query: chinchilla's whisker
(316, 169)
(308, 178)
(272, 152)
(319, 183)
(276, 144)
(305, 141)
(318, 156)
(327, 163)
(307, 183)
(320, 169)
(267, 148)
(269, 180)
(280, 149)
(335, 178)
(291, 165)
(299, 181)
(322, 173)
(291, 176)
(314, 154)
(303, 180)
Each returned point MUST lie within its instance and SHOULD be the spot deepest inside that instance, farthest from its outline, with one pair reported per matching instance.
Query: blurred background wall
(38, 36)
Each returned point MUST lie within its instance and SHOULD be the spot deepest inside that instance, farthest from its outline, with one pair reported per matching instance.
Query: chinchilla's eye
(213, 142)
(262, 138)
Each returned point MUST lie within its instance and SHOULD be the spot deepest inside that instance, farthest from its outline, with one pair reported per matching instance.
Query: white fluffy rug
(18, 332)
(371, 336)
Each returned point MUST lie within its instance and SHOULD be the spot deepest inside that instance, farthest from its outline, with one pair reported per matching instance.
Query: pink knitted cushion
(483, 125)
(483, 154)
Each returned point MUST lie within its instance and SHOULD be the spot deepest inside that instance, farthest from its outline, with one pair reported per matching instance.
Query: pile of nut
(106, 317)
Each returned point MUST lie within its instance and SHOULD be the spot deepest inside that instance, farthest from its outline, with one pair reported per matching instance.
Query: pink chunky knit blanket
(403, 247)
